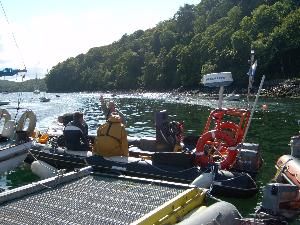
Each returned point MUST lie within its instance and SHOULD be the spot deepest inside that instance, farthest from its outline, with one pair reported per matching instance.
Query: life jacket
(74, 137)
(111, 138)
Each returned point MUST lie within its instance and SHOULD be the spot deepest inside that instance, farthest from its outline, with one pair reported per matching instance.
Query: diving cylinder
(161, 117)
(219, 213)
(43, 169)
(161, 124)
(204, 180)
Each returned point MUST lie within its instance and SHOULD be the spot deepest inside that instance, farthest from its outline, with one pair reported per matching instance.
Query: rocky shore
(289, 88)
(282, 88)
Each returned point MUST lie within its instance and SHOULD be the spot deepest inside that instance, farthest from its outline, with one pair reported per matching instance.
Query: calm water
(272, 129)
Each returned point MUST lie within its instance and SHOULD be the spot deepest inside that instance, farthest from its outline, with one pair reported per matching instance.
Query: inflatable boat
(281, 197)
(14, 140)
(172, 166)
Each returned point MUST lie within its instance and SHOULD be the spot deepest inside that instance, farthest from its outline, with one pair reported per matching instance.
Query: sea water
(274, 123)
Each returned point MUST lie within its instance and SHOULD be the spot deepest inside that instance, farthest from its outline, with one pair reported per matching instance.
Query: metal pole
(221, 97)
(253, 107)
(251, 79)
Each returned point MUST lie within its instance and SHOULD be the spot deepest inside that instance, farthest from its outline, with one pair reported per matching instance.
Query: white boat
(4, 103)
(232, 97)
(217, 79)
(14, 141)
(44, 99)
(36, 91)
(12, 155)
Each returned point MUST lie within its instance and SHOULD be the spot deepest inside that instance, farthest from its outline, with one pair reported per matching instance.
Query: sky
(41, 33)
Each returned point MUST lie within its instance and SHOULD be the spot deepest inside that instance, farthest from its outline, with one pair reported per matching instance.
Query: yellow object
(111, 138)
(177, 148)
(174, 210)
(44, 138)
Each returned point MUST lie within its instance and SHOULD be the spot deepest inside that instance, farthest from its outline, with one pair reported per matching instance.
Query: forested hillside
(213, 36)
(29, 85)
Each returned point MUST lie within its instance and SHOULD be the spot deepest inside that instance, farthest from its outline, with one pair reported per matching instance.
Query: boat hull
(168, 166)
(11, 156)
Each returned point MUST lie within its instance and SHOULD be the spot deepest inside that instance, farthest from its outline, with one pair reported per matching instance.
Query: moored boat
(169, 166)
(14, 141)
(36, 91)
(4, 103)
(281, 197)
(44, 99)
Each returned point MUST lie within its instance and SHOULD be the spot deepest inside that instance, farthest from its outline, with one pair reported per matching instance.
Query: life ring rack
(4, 114)
(218, 142)
(28, 114)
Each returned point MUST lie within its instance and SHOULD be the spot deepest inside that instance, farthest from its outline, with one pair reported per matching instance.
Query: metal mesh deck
(90, 200)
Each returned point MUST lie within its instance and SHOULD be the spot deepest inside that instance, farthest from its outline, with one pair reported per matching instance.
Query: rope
(58, 173)
(280, 170)
(174, 172)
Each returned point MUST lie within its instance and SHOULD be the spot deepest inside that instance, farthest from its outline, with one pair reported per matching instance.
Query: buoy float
(43, 169)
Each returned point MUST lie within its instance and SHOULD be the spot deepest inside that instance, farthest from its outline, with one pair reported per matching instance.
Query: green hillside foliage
(213, 36)
(27, 86)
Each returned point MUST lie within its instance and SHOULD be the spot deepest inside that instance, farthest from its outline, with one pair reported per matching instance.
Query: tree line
(212, 36)
(26, 86)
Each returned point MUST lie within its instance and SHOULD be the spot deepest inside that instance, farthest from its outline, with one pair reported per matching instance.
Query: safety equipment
(232, 130)
(219, 119)
(32, 122)
(216, 146)
(4, 114)
(111, 138)
(9, 129)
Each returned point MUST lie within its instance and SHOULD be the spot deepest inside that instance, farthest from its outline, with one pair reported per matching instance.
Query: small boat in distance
(36, 89)
(232, 97)
(44, 99)
(4, 103)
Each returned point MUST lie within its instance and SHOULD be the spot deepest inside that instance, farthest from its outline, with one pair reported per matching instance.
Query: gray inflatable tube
(219, 213)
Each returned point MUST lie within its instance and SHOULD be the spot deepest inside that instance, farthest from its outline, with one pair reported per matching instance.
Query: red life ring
(234, 130)
(224, 144)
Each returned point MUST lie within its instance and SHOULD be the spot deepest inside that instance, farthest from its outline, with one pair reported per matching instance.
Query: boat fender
(5, 115)
(228, 153)
(32, 122)
(218, 213)
(290, 167)
(43, 169)
(9, 129)
(204, 180)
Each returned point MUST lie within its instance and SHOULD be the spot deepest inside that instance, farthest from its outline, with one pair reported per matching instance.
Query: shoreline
(289, 88)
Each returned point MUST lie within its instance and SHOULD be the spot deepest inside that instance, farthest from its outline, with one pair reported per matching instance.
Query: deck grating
(93, 199)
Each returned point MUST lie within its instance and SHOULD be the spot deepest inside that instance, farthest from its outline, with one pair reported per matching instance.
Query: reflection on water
(271, 128)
